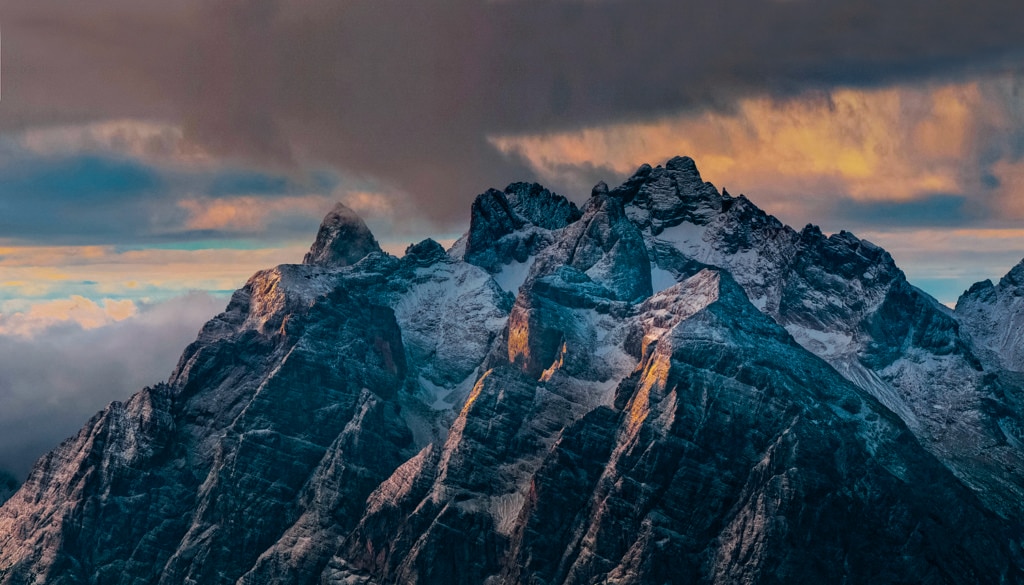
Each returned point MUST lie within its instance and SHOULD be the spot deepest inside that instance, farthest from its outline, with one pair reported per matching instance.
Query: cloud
(864, 142)
(54, 377)
(933, 172)
(249, 214)
(149, 141)
(947, 261)
(80, 311)
(408, 92)
(91, 185)
(929, 211)
(35, 275)
(1008, 184)
(105, 197)
(928, 154)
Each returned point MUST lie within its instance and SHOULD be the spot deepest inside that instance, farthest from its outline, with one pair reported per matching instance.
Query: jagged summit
(1010, 285)
(992, 315)
(665, 386)
(514, 224)
(605, 246)
(683, 164)
(343, 239)
(1014, 278)
(662, 197)
(424, 253)
(541, 207)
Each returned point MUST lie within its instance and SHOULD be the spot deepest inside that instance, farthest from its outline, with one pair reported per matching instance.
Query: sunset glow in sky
(153, 150)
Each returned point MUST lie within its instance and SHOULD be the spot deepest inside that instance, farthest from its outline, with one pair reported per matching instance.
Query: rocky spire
(663, 197)
(540, 206)
(1014, 278)
(515, 223)
(606, 246)
(343, 240)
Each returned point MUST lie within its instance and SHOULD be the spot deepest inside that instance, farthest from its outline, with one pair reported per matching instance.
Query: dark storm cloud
(408, 91)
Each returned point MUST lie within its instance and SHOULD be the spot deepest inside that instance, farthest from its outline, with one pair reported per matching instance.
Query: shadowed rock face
(343, 240)
(605, 246)
(513, 225)
(713, 462)
(667, 386)
(719, 465)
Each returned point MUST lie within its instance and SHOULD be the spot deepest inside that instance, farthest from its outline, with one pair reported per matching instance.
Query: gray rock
(343, 239)
(845, 300)
(729, 446)
(993, 317)
(514, 225)
(605, 246)
(541, 207)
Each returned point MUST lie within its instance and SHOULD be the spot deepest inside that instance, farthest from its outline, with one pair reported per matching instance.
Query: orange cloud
(872, 144)
(369, 204)
(77, 309)
(34, 272)
(50, 255)
(250, 213)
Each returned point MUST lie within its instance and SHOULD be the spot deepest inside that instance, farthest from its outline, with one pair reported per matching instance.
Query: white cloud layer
(76, 310)
(56, 373)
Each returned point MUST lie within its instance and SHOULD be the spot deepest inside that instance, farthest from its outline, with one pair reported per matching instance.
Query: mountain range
(665, 385)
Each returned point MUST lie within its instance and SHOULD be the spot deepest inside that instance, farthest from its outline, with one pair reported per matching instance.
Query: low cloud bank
(54, 378)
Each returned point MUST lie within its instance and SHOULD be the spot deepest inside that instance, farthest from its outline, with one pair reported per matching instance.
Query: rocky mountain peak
(343, 239)
(992, 315)
(984, 291)
(811, 231)
(1014, 278)
(663, 197)
(424, 253)
(514, 224)
(541, 207)
(685, 165)
(606, 246)
(668, 385)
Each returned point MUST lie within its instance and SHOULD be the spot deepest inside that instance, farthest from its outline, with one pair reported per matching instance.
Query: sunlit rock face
(666, 385)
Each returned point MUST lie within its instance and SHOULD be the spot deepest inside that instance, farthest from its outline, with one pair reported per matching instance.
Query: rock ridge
(667, 385)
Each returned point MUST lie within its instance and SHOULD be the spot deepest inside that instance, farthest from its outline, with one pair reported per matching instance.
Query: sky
(153, 155)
